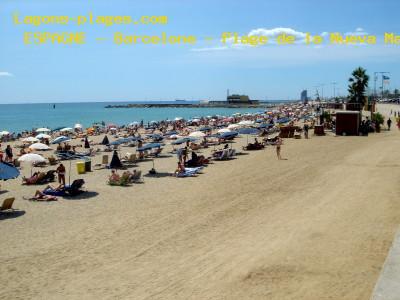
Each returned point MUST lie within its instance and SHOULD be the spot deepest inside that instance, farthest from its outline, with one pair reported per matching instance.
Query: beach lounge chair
(75, 188)
(137, 177)
(224, 155)
(231, 152)
(7, 204)
(104, 160)
(129, 159)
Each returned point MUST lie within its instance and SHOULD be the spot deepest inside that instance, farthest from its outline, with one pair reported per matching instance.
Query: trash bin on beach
(80, 167)
(88, 165)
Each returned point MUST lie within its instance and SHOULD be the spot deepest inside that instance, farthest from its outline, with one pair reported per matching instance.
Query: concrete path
(388, 285)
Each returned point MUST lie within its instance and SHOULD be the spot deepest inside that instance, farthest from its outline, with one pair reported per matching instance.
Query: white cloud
(358, 31)
(271, 34)
(7, 74)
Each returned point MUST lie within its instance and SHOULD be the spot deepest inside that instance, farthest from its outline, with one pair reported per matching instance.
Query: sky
(104, 71)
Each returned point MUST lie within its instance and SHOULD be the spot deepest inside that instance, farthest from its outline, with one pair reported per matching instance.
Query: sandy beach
(315, 226)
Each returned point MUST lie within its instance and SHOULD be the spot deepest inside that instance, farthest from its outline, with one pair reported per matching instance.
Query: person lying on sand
(40, 196)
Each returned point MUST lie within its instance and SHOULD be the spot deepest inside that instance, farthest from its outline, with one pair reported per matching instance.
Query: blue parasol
(149, 146)
(8, 171)
(60, 140)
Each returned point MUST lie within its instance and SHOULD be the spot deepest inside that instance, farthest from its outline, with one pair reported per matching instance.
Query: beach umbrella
(115, 161)
(197, 134)
(248, 131)
(60, 139)
(133, 124)
(178, 119)
(4, 133)
(172, 132)
(227, 135)
(66, 129)
(43, 130)
(149, 146)
(105, 140)
(39, 146)
(205, 128)
(32, 158)
(156, 137)
(78, 126)
(233, 126)
(8, 171)
(58, 128)
(43, 136)
(224, 130)
(183, 140)
(87, 146)
(30, 139)
(246, 123)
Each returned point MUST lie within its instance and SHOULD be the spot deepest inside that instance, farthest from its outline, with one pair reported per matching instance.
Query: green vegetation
(358, 83)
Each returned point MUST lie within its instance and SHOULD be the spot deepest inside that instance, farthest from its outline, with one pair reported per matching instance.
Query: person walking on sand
(278, 148)
(61, 174)
(389, 123)
(9, 154)
(305, 128)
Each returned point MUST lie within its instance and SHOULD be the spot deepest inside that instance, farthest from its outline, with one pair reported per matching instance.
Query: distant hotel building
(240, 99)
(303, 96)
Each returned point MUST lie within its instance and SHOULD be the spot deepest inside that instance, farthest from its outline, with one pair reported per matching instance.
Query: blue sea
(20, 117)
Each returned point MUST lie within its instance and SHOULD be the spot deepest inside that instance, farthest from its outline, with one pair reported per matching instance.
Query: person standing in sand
(305, 128)
(389, 123)
(61, 174)
(278, 147)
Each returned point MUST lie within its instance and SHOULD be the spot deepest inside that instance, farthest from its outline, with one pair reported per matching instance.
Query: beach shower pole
(69, 173)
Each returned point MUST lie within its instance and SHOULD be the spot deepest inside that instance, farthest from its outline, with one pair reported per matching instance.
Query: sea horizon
(19, 117)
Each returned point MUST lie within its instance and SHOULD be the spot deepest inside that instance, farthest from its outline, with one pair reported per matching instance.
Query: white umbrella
(43, 130)
(233, 126)
(66, 129)
(246, 122)
(196, 120)
(78, 126)
(4, 133)
(30, 139)
(32, 158)
(224, 130)
(39, 146)
(178, 119)
(43, 136)
(197, 134)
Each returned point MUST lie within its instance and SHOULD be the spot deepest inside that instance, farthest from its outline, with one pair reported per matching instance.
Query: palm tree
(357, 86)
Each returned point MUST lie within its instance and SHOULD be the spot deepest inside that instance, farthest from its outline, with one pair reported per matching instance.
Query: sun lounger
(69, 190)
(75, 188)
(7, 204)
(224, 155)
(137, 177)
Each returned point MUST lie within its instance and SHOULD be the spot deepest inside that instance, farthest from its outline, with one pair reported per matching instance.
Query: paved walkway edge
(388, 284)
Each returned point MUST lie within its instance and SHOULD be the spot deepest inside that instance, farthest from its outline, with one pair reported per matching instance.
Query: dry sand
(315, 226)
